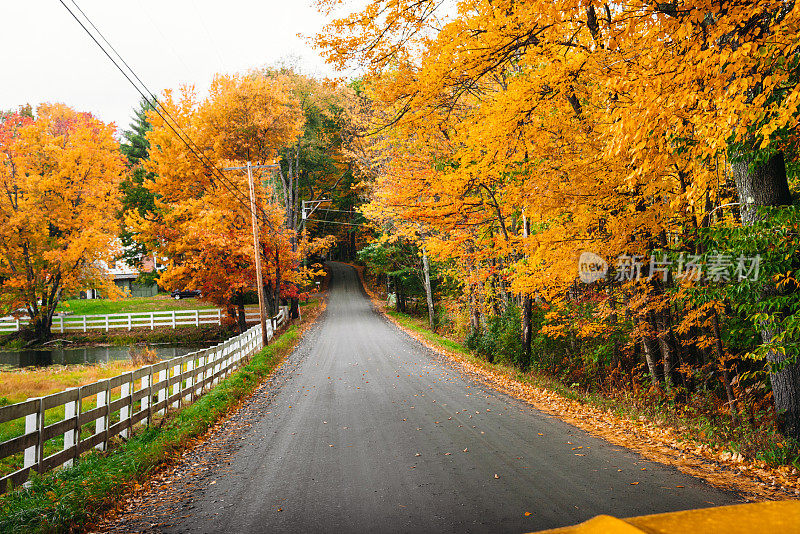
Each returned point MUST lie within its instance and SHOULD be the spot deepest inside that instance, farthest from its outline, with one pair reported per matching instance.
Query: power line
(155, 104)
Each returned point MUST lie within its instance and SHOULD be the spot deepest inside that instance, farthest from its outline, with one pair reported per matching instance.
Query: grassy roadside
(65, 500)
(18, 385)
(677, 440)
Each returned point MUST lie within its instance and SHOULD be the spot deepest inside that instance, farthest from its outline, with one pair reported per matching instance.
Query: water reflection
(68, 356)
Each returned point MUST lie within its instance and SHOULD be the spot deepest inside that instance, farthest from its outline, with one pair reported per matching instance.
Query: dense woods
(649, 149)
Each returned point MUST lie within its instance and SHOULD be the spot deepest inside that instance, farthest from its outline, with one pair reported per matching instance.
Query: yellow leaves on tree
(59, 178)
(202, 221)
(601, 125)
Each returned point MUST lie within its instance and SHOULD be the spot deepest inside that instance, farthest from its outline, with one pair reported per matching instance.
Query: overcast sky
(47, 56)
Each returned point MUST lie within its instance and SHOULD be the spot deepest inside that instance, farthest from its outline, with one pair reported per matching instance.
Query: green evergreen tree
(135, 194)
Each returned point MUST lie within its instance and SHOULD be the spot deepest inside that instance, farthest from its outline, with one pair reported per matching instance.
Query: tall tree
(136, 195)
(59, 178)
(201, 221)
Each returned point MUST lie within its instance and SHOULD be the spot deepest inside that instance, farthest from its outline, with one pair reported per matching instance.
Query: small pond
(77, 355)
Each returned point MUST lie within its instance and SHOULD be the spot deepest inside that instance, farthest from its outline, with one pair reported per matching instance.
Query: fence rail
(116, 404)
(129, 321)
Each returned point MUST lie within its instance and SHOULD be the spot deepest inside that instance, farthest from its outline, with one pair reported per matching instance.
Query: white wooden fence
(128, 321)
(120, 403)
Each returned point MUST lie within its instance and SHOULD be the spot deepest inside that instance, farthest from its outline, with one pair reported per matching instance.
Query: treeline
(605, 190)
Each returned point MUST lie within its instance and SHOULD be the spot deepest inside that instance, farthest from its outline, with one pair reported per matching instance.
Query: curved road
(364, 430)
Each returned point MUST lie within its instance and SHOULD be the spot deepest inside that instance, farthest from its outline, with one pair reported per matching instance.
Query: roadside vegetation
(65, 500)
(17, 385)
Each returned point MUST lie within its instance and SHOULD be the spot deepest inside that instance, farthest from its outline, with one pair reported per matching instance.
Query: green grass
(421, 327)
(67, 499)
(161, 302)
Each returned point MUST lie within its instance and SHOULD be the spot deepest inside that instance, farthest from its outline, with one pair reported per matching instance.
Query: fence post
(129, 321)
(33, 423)
(152, 321)
(146, 399)
(213, 358)
(219, 317)
(218, 364)
(162, 392)
(189, 379)
(106, 323)
(61, 323)
(101, 423)
(197, 317)
(173, 318)
(125, 411)
(84, 324)
(72, 435)
(17, 321)
(176, 387)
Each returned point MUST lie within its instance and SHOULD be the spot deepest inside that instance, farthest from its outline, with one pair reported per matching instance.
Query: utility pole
(256, 249)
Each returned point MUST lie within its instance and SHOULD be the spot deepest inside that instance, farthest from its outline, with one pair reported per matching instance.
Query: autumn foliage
(59, 176)
(201, 218)
(508, 138)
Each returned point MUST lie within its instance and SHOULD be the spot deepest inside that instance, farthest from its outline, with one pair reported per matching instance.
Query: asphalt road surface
(364, 430)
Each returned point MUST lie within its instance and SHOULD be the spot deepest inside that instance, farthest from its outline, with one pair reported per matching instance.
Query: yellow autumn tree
(202, 219)
(59, 177)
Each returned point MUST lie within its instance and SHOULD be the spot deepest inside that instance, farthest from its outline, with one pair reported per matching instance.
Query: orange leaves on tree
(59, 176)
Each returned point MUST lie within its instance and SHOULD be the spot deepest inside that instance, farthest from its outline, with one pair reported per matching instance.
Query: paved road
(364, 430)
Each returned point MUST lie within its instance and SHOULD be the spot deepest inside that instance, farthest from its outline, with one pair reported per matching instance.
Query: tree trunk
(269, 298)
(428, 292)
(766, 185)
(475, 316)
(527, 329)
(726, 382)
(401, 298)
(651, 353)
(665, 346)
(277, 279)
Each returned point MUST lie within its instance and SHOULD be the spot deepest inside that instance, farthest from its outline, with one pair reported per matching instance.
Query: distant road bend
(364, 430)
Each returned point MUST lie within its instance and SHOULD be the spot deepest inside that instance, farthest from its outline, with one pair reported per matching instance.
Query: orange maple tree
(59, 175)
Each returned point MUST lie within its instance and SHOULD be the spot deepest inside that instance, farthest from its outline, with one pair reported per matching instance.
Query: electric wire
(154, 103)
(183, 136)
